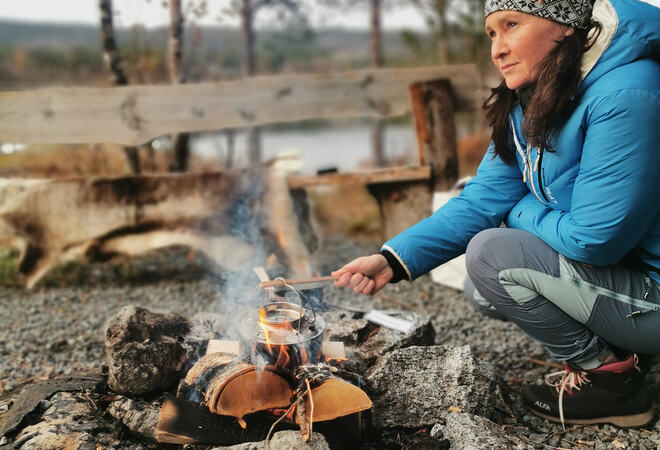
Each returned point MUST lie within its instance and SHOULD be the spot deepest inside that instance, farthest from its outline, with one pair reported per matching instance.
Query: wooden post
(401, 205)
(432, 104)
(404, 204)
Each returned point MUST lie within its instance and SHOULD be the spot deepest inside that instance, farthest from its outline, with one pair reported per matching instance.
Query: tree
(377, 60)
(247, 10)
(376, 57)
(436, 15)
(180, 141)
(113, 59)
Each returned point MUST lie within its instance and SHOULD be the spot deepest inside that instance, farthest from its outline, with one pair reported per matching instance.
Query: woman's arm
(484, 202)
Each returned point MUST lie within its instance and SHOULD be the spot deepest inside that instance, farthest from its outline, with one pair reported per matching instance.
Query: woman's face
(519, 42)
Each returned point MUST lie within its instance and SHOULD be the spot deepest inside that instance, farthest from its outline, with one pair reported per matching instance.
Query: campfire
(286, 372)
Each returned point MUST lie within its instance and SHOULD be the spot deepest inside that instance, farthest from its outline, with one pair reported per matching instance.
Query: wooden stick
(281, 283)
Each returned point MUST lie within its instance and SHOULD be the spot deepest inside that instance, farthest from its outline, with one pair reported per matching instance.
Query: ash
(58, 330)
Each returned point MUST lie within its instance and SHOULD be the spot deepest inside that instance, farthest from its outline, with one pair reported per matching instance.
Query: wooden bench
(404, 194)
(133, 115)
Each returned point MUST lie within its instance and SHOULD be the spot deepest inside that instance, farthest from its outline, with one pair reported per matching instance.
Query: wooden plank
(333, 350)
(376, 176)
(223, 346)
(184, 422)
(132, 115)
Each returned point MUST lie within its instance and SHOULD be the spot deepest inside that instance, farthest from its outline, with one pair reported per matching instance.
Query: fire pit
(278, 372)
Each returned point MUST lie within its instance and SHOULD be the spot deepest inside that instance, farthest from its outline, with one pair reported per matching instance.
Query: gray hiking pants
(579, 312)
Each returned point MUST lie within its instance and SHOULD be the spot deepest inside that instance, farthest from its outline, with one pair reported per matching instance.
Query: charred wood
(185, 422)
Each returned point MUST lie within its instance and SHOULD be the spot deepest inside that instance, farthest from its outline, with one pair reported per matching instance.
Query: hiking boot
(646, 361)
(613, 393)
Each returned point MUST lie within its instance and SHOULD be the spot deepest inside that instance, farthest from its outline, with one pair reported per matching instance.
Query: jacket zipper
(527, 162)
(539, 169)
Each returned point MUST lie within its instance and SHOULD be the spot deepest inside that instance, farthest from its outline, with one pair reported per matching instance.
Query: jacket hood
(630, 31)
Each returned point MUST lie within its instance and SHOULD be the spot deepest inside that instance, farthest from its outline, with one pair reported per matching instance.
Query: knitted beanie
(575, 13)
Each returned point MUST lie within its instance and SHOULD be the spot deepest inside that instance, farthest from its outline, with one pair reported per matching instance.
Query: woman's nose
(498, 48)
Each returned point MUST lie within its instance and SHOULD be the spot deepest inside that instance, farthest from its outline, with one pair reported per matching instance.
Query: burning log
(231, 387)
(329, 395)
(277, 371)
(228, 386)
(184, 422)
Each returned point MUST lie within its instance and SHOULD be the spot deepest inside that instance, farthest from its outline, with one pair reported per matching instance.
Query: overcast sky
(152, 13)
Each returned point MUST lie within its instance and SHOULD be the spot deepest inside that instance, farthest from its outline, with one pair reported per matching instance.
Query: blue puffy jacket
(596, 198)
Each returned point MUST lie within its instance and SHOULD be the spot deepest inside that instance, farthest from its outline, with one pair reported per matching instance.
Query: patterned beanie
(575, 13)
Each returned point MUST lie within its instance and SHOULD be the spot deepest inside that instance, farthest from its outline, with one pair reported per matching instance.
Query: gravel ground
(57, 330)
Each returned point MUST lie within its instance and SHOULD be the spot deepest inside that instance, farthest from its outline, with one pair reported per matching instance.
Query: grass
(9, 267)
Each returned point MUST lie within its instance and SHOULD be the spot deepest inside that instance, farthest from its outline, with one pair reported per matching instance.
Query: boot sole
(634, 420)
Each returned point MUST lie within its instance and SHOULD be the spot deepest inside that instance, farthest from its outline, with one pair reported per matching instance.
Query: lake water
(345, 147)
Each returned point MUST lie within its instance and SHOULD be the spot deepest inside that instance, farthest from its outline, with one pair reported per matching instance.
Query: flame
(276, 334)
(262, 325)
(283, 358)
(330, 359)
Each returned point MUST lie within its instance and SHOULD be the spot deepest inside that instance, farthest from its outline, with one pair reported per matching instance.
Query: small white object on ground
(385, 320)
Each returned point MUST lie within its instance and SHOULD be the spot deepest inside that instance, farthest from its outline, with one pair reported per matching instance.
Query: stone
(34, 397)
(419, 386)
(384, 339)
(471, 432)
(345, 326)
(140, 417)
(145, 352)
(365, 341)
(284, 440)
(71, 421)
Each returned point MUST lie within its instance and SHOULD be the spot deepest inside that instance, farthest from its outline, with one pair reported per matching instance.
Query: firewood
(303, 417)
(336, 398)
(332, 396)
(333, 350)
(244, 389)
(229, 386)
(329, 349)
(184, 422)
(223, 346)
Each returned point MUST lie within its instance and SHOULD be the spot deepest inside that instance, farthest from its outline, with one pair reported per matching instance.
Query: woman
(573, 172)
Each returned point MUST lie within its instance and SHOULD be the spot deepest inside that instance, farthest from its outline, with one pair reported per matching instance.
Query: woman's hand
(365, 275)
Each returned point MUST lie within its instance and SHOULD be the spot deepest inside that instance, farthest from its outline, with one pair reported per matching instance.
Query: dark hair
(552, 94)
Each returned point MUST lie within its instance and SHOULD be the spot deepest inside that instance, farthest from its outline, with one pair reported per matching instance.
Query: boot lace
(566, 380)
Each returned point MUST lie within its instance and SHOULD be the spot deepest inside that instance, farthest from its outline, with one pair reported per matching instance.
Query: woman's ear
(569, 31)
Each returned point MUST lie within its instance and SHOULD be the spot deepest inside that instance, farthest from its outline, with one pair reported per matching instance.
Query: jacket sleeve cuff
(398, 269)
